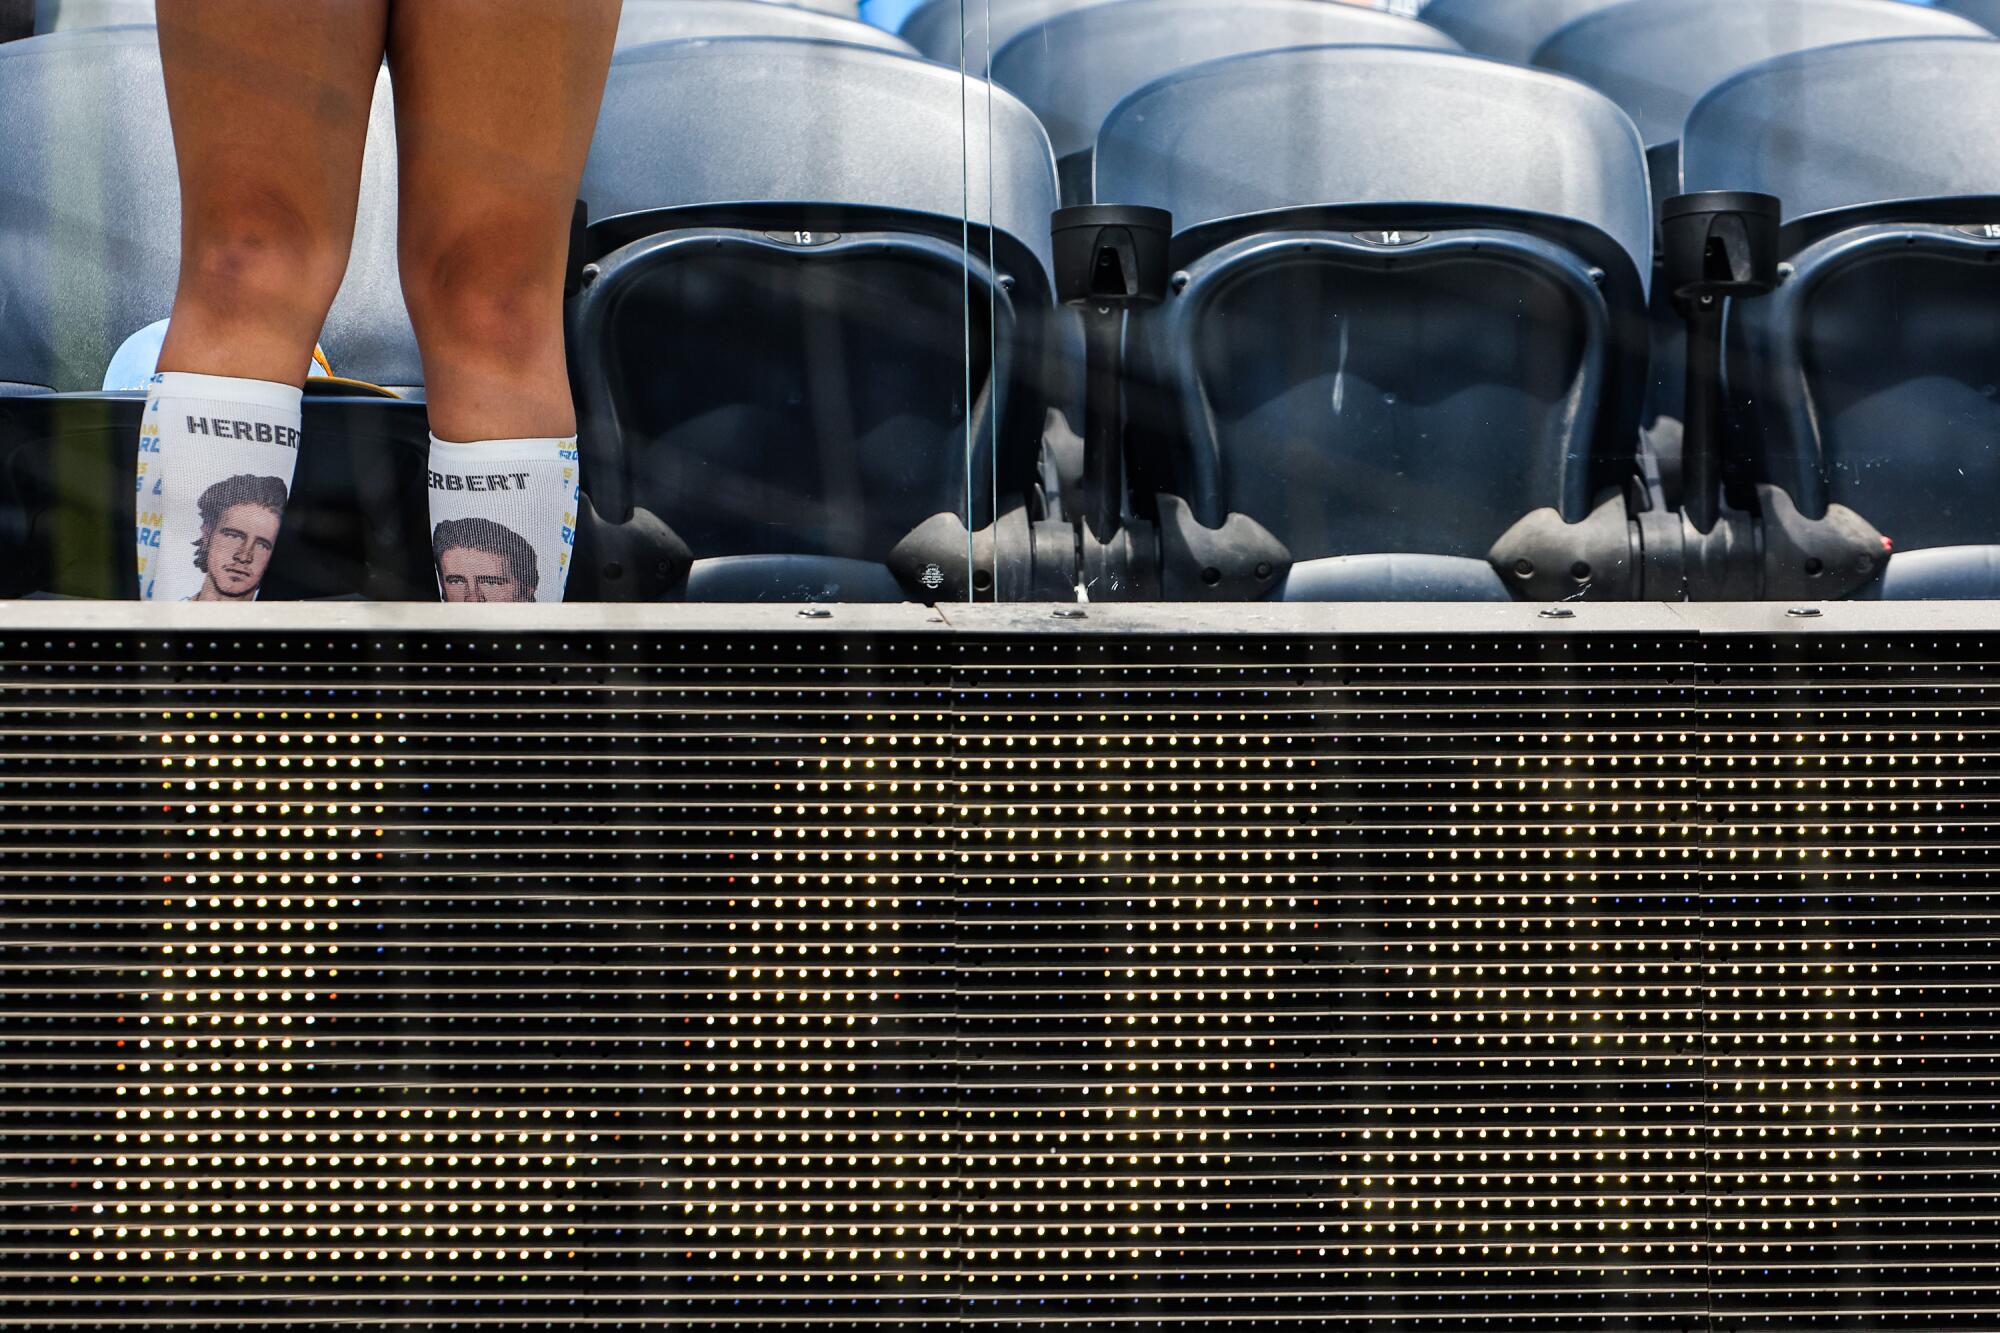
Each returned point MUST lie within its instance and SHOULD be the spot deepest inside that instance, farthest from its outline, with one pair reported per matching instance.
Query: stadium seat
(1986, 13)
(1657, 57)
(670, 20)
(771, 350)
(89, 257)
(1407, 315)
(1867, 379)
(1073, 68)
(1505, 29)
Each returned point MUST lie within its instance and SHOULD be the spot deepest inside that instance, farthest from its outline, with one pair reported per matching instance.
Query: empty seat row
(1511, 30)
(1421, 372)
(1402, 351)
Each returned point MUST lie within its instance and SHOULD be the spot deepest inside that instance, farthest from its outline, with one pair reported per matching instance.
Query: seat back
(1505, 29)
(1869, 377)
(90, 226)
(1655, 58)
(775, 358)
(945, 30)
(1073, 68)
(846, 9)
(69, 15)
(672, 20)
(1986, 13)
(1413, 291)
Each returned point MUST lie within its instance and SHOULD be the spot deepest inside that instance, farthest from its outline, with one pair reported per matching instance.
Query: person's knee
(490, 293)
(263, 257)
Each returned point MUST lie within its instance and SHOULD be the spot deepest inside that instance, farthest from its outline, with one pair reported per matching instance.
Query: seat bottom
(1938, 574)
(1392, 578)
(791, 578)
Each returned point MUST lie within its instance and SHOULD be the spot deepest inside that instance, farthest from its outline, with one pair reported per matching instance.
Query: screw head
(1071, 613)
(1557, 613)
(1804, 613)
(815, 613)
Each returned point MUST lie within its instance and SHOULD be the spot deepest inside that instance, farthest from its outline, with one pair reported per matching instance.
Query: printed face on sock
(480, 576)
(238, 550)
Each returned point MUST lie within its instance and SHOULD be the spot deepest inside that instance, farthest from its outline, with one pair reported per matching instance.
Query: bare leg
(496, 101)
(270, 110)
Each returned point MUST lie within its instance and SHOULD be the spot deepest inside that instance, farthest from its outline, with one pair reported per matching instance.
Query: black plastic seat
(1073, 68)
(1868, 378)
(1505, 29)
(772, 352)
(1408, 314)
(645, 21)
(1656, 58)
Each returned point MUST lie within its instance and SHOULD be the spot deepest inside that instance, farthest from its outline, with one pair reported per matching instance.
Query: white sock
(215, 469)
(503, 518)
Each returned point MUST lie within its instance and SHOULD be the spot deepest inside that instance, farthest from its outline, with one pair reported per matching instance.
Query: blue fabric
(887, 15)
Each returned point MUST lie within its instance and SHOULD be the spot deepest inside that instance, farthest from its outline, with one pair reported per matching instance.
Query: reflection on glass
(1496, 300)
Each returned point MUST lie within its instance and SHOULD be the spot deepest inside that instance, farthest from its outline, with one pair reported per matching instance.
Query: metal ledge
(1369, 619)
(464, 618)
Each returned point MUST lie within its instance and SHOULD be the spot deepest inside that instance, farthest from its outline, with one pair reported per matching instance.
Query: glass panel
(763, 330)
(1646, 303)
(1022, 544)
